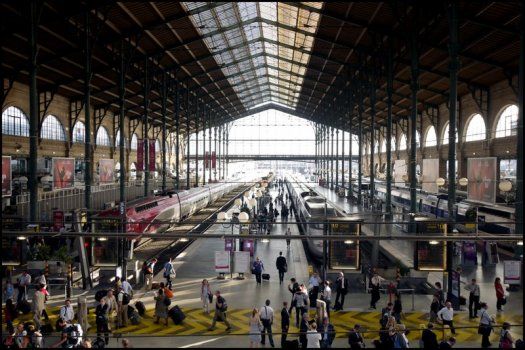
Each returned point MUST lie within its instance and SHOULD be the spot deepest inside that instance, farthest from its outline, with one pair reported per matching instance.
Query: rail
(399, 290)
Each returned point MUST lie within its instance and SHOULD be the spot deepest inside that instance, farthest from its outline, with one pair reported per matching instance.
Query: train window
(146, 206)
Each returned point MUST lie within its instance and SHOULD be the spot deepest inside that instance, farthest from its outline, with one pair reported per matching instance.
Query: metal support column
(163, 141)
(33, 115)
(122, 160)
(350, 140)
(206, 159)
(215, 150)
(209, 145)
(372, 132)
(145, 133)
(521, 110)
(196, 141)
(176, 109)
(219, 153)
(360, 156)
(337, 159)
(332, 158)
(414, 86)
(343, 159)
(389, 90)
(453, 70)
(188, 139)
(88, 147)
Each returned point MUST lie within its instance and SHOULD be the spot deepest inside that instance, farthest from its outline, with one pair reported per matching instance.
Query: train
(492, 218)
(311, 210)
(156, 214)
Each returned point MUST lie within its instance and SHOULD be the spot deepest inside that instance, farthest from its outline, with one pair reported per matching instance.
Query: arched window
(383, 146)
(403, 142)
(445, 135)
(134, 141)
(431, 137)
(157, 146)
(476, 129)
(52, 129)
(79, 132)
(393, 143)
(103, 137)
(508, 122)
(15, 122)
(418, 139)
(117, 139)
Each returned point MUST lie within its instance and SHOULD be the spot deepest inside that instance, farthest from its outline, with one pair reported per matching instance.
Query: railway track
(196, 224)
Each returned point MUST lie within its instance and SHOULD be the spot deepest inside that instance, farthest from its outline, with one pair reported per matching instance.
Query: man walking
(341, 288)
(23, 282)
(168, 272)
(446, 314)
(267, 321)
(282, 266)
(327, 296)
(122, 308)
(285, 323)
(220, 312)
(473, 299)
(375, 284)
(147, 268)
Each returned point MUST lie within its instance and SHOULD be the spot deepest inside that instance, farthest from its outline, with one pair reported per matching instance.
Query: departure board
(430, 255)
(344, 254)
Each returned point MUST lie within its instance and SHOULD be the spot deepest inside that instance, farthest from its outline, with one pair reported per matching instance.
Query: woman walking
(500, 294)
(206, 295)
(161, 307)
(255, 329)
(257, 269)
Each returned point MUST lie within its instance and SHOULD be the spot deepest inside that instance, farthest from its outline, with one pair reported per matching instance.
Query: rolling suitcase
(291, 344)
(24, 307)
(140, 308)
(176, 314)
(131, 310)
(265, 276)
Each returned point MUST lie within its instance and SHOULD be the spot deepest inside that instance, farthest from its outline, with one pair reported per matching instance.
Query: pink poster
(213, 159)
(140, 155)
(481, 174)
(151, 155)
(63, 172)
(106, 169)
(6, 176)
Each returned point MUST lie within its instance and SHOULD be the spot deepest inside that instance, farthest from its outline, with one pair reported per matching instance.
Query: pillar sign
(344, 254)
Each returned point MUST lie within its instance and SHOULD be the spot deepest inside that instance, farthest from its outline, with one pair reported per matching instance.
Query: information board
(222, 261)
(344, 254)
(241, 262)
(430, 255)
(512, 272)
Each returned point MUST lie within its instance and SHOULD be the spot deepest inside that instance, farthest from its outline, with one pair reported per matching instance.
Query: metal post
(343, 159)
(163, 141)
(33, 115)
(188, 139)
(350, 140)
(360, 156)
(227, 161)
(389, 89)
(337, 159)
(413, 123)
(453, 69)
(521, 109)
(176, 109)
(88, 148)
(145, 133)
(224, 146)
(206, 159)
(209, 145)
(372, 132)
(219, 152)
(122, 159)
(332, 159)
(215, 150)
(196, 141)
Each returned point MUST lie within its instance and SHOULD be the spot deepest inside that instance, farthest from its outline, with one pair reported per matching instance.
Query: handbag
(210, 297)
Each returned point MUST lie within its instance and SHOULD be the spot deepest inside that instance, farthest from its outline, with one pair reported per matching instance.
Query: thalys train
(497, 218)
(311, 210)
(156, 214)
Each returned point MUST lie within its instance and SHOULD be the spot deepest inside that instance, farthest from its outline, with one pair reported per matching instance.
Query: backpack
(167, 301)
(504, 342)
(399, 342)
(383, 320)
(146, 266)
(224, 307)
(73, 335)
(125, 298)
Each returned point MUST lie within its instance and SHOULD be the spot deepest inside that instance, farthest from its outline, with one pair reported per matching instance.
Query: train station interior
(262, 174)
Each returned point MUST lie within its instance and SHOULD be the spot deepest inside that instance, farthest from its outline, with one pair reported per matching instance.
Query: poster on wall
(63, 172)
(430, 174)
(213, 160)
(400, 169)
(140, 155)
(151, 155)
(511, 272)
(222, 261)
(106, 170)
(6, 176)
(481, 176)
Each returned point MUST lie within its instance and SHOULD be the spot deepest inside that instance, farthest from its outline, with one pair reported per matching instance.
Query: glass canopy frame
(263, 48)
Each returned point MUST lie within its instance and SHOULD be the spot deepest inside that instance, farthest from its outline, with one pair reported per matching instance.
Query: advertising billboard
(430, 174)
(140, 155)
(151, 159)
(106, 170)
(6, 176)
(63, 171)
(481, 176)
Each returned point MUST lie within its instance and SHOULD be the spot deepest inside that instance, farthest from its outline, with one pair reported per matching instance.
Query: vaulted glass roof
(263, 48)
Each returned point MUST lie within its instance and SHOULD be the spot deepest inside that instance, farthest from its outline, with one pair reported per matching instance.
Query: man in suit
(341, 288)
(285, 323)
(304, 327)
(429, 338)
(355, 339)
(282, 266)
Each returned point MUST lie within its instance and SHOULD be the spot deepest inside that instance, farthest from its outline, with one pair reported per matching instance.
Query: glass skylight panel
(244, 49)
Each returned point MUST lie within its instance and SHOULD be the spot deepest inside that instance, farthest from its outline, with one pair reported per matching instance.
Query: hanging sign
(140, 155)
(151, 155)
